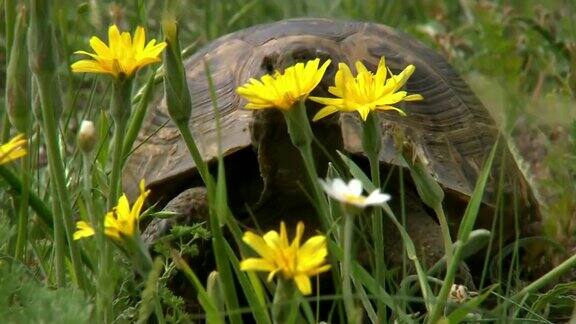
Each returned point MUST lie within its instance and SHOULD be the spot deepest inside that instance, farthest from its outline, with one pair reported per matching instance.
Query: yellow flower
(14, 149)
(283, 90)
(366, 92)
(291, 260)
(123, 57)
(122, 221)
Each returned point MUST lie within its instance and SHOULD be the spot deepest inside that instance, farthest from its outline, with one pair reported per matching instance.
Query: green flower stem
(466, 227)
(432, 195)
(438, 308)
(87, 188)
(347, 294)
(42, 63)
(197, 157)
(10, 20)
(179, 104)
(139, 114)
(445, 232)
(208, 179)
(302, 136)
(102, 283)
(105, 294)
(372, 143)
(47, 88)
(212, 313)
(285, 303)
(23, 210)
(18, 103)
(59, 247)
(120, 106)
(138, 253)
(218, 239)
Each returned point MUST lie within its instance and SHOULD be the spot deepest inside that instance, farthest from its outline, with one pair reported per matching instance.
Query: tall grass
(46, 275)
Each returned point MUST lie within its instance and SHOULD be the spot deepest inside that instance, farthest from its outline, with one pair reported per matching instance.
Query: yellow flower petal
(89, 66)
(121, 221)
(403, 77)
(290, 260)
(400, 111)
(256, 264)
(273, 241)
(83, 230)
(258, 244)
(303, 283)
(318, 270)
(112, 228)
(367, 91)
(100, 48)
(283, 90)
(14, 149)
(364, 111)
(123, 208)
(298, 237)
(413, 97)
(326, 111)
(123, 55)
(283, 236)
(391, 99)
(312, 253)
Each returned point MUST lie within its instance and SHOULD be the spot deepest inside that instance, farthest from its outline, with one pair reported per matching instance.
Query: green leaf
(473, 207)
(406, 240)
(252, 289)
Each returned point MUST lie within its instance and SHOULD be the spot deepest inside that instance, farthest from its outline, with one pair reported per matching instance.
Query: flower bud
(18, 77)
(87, 137)
(215, 290)
(41, 47)
(428, 188)
(42, 57)
(176, 91)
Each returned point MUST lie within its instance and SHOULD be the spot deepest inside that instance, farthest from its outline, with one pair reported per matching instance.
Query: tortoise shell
(450, 130)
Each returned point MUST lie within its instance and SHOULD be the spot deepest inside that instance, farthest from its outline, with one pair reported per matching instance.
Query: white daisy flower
(351, 193)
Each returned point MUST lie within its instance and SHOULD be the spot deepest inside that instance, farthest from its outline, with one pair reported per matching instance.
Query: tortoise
(450, 130)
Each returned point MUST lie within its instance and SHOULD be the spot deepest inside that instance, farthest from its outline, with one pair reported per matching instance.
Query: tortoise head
(280, 60)
(280, 163)
(279, 53)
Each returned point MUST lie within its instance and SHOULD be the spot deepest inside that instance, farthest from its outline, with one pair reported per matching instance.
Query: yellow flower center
(354, 199)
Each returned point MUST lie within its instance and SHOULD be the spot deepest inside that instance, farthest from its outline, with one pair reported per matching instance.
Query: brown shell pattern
(450, 130)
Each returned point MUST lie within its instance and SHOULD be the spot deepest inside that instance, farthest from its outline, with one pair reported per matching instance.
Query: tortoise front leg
(190, 206)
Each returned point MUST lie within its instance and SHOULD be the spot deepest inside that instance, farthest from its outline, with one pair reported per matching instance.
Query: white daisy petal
(329, 189)
(377, 198)
(355, 187)
(339, 187)
(351, 193)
